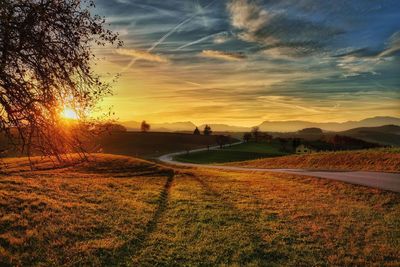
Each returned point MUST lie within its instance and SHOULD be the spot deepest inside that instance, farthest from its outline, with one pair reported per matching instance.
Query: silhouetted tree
(295, 143)
(207, 130)
(246, 137)
(265, 137)
(222, 140)
(283, 144)
(144, 127)
(196, 131)
(45, 55)
(255, 131)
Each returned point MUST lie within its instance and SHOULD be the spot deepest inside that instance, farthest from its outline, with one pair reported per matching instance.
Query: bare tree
(222, 140)
(207, 130)
(196, 131)
(255, 131)
(144, 127)
(246, 137)
(45, 65)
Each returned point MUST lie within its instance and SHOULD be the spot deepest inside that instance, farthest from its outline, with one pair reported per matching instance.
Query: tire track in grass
(263, 252)
(122, 255)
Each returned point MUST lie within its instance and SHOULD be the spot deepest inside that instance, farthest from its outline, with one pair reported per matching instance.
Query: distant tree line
(206, 131)
(256, 135)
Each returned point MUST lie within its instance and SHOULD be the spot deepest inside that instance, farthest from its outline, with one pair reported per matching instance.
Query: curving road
(381, 180)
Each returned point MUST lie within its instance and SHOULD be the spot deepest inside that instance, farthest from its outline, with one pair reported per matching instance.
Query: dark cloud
(278, 28)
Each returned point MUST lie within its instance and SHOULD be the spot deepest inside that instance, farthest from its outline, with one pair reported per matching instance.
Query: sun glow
(69, 113)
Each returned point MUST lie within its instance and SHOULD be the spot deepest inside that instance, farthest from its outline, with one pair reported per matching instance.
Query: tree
(207, 130)
(246, 137)
(283, 144)
(255, 131)
(145, 127)
(222, 140)
(295, 143)
(196, 131)
(45, 65)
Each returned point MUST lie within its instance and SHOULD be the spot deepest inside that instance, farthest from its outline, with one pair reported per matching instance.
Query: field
(152, 144)
(386, 160)
(241, 152)
(118, 210)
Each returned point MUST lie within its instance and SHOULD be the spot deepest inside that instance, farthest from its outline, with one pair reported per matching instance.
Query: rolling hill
(385, 135)
(291, 126)
(268, 126)
(122, 211)
(161, 127)
(151, 144)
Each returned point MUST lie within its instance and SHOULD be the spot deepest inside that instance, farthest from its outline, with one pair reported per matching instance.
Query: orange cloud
(223, 55)
(142, 55)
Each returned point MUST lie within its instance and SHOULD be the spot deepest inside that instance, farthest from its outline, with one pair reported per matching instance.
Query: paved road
(382, 180)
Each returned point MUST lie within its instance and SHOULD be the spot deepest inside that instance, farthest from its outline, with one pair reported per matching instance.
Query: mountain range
(269, 126)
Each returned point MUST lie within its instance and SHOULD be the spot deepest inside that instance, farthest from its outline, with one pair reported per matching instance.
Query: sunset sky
(242, 62)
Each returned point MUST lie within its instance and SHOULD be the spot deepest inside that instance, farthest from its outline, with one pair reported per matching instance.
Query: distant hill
(385, 135)
(161, 127)
(226, 128)
(267, 126)
(292, 126)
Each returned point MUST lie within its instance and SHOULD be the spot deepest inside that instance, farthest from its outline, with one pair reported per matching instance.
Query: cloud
(287, 52)
(364, 60)
(142, 55)
(220, 39)
(214, 35)
(223, 55)
(278, 28)
(248, 16)
(288, 102)
(393, 45)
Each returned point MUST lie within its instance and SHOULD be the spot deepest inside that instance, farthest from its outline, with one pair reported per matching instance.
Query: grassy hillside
(387, 160)
(244, 151)
(385, 135)
(152, 144)
(117, 210)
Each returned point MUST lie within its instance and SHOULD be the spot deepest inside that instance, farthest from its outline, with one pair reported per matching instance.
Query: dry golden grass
(77, 215)
(234, 218)
(122, 211)
(368, 160)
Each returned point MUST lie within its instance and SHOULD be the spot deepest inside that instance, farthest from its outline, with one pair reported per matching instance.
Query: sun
(69, 113)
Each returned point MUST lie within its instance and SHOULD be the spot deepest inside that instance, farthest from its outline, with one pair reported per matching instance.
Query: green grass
(119, 211)
(152, 144)
(241, 152)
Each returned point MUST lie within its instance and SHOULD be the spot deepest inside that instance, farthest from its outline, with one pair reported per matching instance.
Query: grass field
(387, 160)
(152, 144)
(118, 210)
(241, 152)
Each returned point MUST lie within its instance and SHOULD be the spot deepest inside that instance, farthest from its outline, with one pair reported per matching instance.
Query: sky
(242, 62)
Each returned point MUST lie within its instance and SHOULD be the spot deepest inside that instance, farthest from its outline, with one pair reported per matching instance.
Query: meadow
(241, 152)
(152, 144)
(386, 160)
(117, 210)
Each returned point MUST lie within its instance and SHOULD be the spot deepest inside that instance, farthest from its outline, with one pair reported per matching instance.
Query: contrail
(165, 36)
(201, 40)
